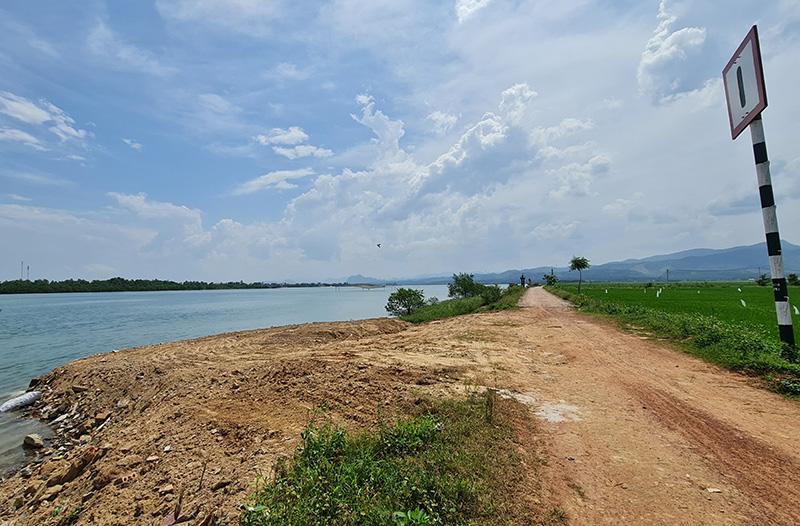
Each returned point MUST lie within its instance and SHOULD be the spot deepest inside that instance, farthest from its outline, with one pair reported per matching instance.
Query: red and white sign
(744, 84)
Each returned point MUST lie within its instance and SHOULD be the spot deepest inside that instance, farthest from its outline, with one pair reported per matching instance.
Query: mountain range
(731, 264)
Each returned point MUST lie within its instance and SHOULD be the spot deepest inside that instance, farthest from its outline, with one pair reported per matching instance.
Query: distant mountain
(703, 264)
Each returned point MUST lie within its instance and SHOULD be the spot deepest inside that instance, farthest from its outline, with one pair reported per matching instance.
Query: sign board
(744, 84)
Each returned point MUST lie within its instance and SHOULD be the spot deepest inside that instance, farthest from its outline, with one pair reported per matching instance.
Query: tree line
(43, 286)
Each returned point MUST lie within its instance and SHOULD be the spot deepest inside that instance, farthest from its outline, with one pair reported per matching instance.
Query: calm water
(39, 332)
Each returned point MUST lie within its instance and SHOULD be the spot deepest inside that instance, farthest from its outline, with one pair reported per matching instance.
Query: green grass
(461, 306)
(452, 464)
(710, 320)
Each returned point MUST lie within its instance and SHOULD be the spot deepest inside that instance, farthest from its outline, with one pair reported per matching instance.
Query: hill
(731, 264)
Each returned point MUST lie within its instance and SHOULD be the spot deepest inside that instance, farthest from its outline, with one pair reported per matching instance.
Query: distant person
(522, 280)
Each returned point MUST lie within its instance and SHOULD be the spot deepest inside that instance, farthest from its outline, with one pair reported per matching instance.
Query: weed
(447, 466)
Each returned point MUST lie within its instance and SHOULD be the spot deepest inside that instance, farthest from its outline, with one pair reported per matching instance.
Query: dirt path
(628, 431)
(640, 433)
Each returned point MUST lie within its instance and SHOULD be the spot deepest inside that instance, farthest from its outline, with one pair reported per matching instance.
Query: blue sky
(276, 140)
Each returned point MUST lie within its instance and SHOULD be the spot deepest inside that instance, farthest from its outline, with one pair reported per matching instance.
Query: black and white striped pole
(746, 93)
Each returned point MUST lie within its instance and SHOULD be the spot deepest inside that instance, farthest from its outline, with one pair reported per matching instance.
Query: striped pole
(770, 217)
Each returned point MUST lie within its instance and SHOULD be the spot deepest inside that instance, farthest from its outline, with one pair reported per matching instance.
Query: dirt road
(628, 431)
(643, 434)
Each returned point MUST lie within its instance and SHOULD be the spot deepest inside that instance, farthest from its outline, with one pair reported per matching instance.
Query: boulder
(33, 441)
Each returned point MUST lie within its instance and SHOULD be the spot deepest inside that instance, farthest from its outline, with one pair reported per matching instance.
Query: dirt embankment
(628, 431)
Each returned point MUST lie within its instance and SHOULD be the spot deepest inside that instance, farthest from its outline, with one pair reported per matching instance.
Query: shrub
(491, 294)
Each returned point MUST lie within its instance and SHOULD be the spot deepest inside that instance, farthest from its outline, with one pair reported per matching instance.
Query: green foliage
(508, 299)
(792, 280)
(464, 286)
(709, 320)
(445, 309)
(447, 466)
(763, 280)
(491, 294)
(403, 302)
(550, 279)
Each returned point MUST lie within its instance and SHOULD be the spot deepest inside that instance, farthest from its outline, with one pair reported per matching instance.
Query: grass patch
(460, 306)
(714, 325)
(452, 464)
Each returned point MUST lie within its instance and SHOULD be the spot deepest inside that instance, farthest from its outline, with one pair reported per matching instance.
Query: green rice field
(734, 303)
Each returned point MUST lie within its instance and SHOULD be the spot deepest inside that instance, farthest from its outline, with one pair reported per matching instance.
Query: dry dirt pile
(632, 432)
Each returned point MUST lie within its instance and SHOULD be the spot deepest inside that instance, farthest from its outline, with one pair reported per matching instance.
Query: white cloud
(26, 111)
(216, 103)
(106, 44)
(250, 17)
(294, 135)
(442, 122)
(303, 150)
(10, 134)
(278, 179)
(662, 63)
(555, 231)
(466, 9)
(44, 180)
(514, 101)
(133, 144)
(22, 109)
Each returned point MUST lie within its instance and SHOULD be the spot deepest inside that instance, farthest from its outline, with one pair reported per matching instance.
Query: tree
(580, 264)
(403, 302)
(762, 280)
(550, 279)
(464, 286)
(793, 280)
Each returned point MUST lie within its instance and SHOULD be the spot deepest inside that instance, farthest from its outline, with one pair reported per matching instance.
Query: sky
(247, 140)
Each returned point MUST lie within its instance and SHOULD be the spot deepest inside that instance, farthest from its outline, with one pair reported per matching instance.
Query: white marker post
(746, 93)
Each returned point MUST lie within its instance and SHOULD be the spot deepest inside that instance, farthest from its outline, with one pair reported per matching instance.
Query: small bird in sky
(379, 245)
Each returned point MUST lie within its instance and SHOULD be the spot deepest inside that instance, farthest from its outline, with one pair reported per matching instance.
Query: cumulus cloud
(555, 231)
(514, 101)
(290, 141)
(303, 150)
(172, 223)
(294, 135)
(442, 122)
(466, 9)
(279, 179)
(663, 61)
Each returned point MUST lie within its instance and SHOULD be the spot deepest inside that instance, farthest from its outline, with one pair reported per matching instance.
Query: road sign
(744, 84)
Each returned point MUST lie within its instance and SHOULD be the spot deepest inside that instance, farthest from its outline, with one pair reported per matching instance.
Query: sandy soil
(628, 431)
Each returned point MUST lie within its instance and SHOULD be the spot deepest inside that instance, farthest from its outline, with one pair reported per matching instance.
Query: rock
(99, 418)
(122, 404)
(33, 441)
(85, 439)
(169, 488)
(152, 458)
(79, 388)
(51, 492)
(221, 484)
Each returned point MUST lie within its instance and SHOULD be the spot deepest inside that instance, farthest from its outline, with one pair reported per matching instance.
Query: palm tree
(580, 264)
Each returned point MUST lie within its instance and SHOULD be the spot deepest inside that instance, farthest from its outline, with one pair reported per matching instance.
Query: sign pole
(746, 93)
(769, 214)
